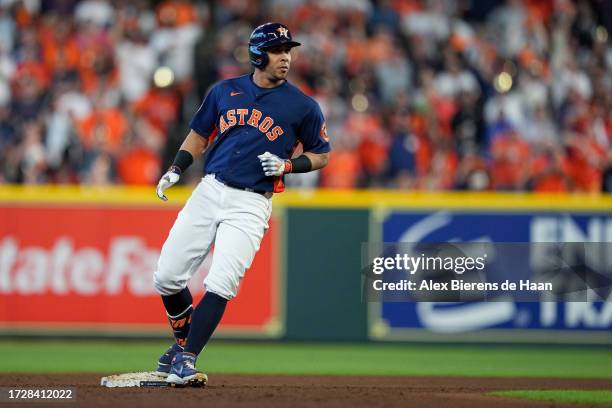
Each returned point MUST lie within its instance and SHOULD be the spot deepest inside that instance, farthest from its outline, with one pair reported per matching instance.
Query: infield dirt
(302, 391)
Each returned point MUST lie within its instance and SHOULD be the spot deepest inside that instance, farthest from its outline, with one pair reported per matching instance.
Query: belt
(264, 193)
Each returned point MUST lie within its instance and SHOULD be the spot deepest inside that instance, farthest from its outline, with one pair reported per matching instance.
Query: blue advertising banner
(504, 321)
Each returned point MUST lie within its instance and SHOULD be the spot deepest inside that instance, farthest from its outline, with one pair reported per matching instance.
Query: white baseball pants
(234, 220)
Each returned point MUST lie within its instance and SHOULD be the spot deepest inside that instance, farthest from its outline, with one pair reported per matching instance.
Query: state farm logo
(127, 266)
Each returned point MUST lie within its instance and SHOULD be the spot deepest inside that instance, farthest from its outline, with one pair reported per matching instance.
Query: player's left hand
(272, 164)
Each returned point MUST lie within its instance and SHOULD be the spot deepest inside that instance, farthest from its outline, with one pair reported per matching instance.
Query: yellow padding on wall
(121, 195)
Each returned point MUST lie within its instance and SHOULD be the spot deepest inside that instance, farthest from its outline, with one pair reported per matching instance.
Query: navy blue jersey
(243, 120)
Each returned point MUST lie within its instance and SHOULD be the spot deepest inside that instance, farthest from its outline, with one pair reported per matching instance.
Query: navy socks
(204, 321)
(177, 303)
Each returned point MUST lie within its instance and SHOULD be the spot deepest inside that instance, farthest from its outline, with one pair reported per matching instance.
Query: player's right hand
(167, 180)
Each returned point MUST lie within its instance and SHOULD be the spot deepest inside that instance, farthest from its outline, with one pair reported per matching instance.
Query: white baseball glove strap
(168, 180)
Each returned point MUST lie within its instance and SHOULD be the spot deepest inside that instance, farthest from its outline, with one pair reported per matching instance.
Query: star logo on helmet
(283, 32)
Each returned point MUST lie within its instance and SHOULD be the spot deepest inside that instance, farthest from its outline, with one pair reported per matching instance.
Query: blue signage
(451, 226)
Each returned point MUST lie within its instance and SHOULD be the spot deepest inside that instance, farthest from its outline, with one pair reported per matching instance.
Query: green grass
(590, 397)
(299, 358)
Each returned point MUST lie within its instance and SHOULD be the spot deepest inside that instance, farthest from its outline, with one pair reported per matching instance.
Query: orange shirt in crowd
(423, 155)
(445, 109)
(380, 49)
(373, 153)
(585, 165)
(356, 54)
(65, 55)
(549, 176)
(160, 107)
(405, 7)
(510, 161)
(540, 10)
(550, 183)
(341, 171)
(22, 15)
(92, 81)
(103, 129)
(175, 13)
(139, 166)
(57, 51)
(34, 70)
(445, 165)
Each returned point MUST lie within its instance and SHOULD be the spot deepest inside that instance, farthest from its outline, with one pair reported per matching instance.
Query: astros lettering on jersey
(254, 117)
(244, 120)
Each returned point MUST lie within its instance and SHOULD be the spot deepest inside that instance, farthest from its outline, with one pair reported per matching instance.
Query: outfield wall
(79, 261)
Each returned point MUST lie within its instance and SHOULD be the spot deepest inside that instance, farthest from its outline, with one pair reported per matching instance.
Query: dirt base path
(302, 391)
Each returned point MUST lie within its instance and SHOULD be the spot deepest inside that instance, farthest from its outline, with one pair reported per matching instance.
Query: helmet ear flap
(258, 58)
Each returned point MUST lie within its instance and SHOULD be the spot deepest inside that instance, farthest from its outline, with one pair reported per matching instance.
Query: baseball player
(250, 126)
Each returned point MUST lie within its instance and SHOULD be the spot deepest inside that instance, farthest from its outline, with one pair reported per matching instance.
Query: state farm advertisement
(86, 267)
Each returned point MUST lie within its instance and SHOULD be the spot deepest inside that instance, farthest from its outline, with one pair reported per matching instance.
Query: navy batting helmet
(266, 36)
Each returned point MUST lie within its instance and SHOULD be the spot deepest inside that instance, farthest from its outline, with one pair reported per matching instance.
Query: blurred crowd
(417, 94)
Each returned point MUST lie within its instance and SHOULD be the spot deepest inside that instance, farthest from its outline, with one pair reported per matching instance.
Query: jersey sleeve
(313, 132)
(204, 121)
